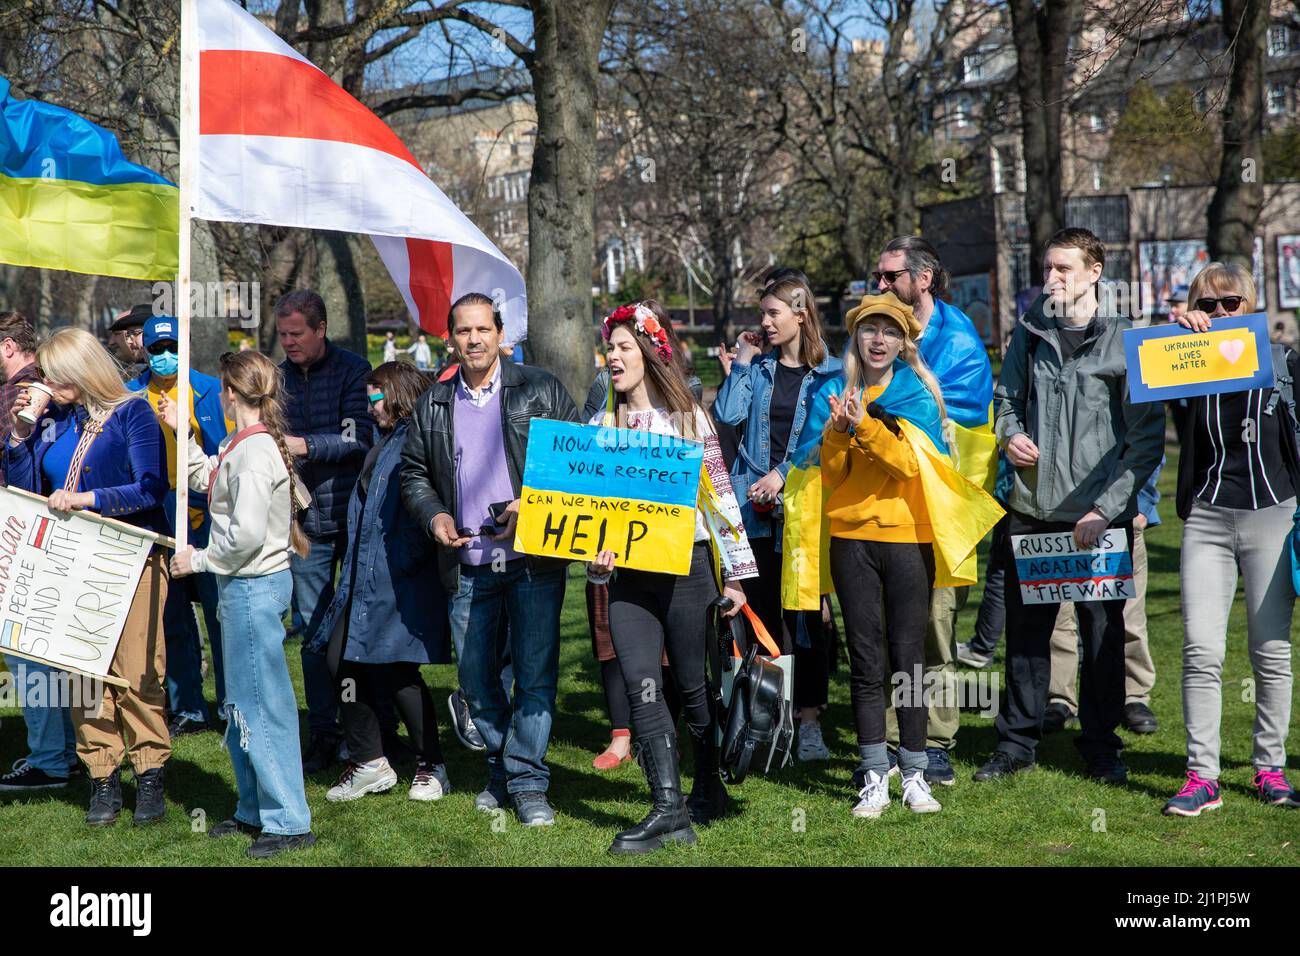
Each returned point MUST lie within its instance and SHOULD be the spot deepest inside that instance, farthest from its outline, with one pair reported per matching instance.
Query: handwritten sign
(66, 584)
(1168, 361)
(1052, 569)
(589, 489)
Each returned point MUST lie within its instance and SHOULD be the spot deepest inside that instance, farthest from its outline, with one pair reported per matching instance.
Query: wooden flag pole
(188, 147)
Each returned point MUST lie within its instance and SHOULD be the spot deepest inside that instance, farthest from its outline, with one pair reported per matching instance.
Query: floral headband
(646, 323)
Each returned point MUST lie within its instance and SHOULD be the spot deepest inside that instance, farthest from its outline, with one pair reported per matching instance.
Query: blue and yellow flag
(70, 200)
(961, 511)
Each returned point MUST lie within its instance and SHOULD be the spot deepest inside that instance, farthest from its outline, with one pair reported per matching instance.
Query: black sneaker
(1139, 719)
(180, 726)
(231, 827)
(462, 723)
(1108, 768)
(939, 770)
(322, 752)
(24, 778)
(533, 810)
(1002, 764)
(270, 844)
(105, 800)
(1056, 718)
(149, 803)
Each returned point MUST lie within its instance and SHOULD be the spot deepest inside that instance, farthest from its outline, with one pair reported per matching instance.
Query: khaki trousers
(940, 657)
(132, 721)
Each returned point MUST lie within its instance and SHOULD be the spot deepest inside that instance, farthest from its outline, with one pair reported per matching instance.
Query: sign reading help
(589, 489)
(1168, 361)
(67, 584)
(1052, 569)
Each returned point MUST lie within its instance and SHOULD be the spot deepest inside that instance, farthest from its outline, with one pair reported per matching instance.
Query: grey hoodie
(1095, 448)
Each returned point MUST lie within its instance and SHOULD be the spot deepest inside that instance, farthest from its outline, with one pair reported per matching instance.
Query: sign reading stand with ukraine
(1053, 569)
(1168, 361)
(588, 489)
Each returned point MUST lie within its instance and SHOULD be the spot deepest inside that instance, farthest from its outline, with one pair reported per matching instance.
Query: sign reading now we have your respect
(589, 489)
(1168, 361)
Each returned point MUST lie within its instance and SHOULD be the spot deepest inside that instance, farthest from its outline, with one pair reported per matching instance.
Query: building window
(962, 114)
(503, 221)
(1201, 101)
(1279, 41)
(1097, 122)
(1096, 176)
(972, 66)
(1276, 99)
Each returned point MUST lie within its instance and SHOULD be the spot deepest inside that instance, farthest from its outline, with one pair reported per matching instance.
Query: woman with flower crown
(649, 612)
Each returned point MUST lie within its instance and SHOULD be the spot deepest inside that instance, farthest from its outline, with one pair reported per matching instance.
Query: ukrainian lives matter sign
(66, 584)
(1053, 569)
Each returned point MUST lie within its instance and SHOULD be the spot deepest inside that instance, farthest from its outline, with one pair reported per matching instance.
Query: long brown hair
(669, 378)
(402, 385)
(258, 383)
(796, 293)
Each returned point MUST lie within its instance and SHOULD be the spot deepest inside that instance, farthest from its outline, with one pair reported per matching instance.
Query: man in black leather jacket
(463, 468)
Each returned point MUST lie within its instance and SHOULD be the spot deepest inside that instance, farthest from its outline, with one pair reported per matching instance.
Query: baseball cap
(133, 318)
(160, 328)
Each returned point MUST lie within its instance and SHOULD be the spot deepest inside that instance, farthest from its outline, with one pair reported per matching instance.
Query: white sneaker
(811, 744)
(916, 793)
(875, 796)
(360, 779)
(430, 783)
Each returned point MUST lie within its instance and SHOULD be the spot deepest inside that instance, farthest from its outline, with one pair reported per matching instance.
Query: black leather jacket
(428, 472)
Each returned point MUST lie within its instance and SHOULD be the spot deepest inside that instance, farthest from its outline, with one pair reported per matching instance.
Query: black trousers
(366, 690)
(812, 664)
(652, 613)
(1029, 661)
(992, 617)
(884, 591)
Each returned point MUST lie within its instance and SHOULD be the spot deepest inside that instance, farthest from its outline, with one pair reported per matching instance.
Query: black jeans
(884, 590)
(367, 690)
(650, 613)
(992, 617)
(811, 664)
(1029, 661)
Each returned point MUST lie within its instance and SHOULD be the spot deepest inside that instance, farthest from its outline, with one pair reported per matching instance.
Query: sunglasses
(1229, 303)
(160, 348)
(376, 398)
(487, 531)
(890, 275)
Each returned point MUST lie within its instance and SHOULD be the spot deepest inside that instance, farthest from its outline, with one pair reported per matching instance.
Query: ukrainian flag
(70, 200)
(962, 512)
(955, 353)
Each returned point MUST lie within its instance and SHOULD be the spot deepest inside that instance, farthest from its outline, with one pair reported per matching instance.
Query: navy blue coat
(395, 607)
(326, 406)
(126, 466)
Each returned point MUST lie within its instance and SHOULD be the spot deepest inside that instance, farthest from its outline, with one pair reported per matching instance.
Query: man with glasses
(189, 710)
(462, 474)
(126, 338)
(952, 348)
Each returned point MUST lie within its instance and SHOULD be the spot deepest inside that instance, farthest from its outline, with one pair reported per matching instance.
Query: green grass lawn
(1052, 816)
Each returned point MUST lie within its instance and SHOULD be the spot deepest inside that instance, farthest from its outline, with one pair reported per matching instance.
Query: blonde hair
(257, 382)
(854, 378)
(1223, 278)
(75, 357)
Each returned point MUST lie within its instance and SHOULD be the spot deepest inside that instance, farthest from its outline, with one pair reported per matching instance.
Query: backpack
(1284, 390)
(755, 721)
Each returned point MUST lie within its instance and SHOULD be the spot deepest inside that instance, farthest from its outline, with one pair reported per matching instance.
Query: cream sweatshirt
(249, 507)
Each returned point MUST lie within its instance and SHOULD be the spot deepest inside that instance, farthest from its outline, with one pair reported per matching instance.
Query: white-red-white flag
(281, 143)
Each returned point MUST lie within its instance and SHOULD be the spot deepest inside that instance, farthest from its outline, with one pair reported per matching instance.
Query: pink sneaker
(1272, 785)
(1197, 794)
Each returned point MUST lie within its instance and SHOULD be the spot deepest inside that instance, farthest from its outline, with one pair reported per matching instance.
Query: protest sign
(1168, 361)
(1052, 568)
(66, 584)
(588, 488)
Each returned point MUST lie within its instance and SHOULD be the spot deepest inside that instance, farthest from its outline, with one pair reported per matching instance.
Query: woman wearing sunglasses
(1237, 481)
(389, 614)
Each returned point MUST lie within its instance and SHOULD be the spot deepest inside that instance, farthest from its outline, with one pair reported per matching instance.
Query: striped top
(1239, 461)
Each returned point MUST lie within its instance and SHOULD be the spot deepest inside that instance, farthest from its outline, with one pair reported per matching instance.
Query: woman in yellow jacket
(881, 548)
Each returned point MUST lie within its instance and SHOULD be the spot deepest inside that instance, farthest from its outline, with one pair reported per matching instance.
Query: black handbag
(755, 720)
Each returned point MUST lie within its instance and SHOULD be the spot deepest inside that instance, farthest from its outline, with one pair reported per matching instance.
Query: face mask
(165, 364)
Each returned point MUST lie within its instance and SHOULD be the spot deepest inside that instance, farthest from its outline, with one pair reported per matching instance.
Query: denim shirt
(746, 396)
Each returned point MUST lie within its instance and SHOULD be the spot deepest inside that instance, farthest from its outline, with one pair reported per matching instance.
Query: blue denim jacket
(745, 396)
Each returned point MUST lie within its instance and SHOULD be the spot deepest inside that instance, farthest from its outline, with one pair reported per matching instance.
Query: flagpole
(188, 146)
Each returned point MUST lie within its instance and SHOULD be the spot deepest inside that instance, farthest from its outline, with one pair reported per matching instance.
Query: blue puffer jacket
(326, 405)
(126, 466)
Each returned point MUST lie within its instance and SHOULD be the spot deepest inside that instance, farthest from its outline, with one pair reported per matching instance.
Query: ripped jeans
(261, 708)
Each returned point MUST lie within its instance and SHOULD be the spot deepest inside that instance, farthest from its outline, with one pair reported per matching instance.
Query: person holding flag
(902, 521)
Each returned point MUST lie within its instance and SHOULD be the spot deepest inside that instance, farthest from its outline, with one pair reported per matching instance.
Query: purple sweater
(482, 475)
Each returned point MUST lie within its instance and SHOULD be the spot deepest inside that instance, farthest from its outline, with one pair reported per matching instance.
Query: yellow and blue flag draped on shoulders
(955, 353)
(961, 512)
(70, 200)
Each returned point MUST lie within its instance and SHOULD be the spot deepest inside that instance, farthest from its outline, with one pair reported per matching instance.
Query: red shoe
(609, 760)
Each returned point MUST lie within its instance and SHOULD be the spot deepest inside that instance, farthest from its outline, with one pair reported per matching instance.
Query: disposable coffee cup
(39, 396)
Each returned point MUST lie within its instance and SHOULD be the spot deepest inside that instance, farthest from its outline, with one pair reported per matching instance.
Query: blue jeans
(51, 740)
(516, 735)
(261, 709)
(313, 590)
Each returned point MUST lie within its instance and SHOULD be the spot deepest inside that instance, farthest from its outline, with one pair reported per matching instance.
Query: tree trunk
(1042, 37)
(339, 283)
(562, 191)
(209, 335)
(1239, 195)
